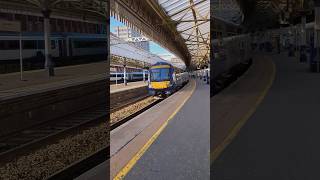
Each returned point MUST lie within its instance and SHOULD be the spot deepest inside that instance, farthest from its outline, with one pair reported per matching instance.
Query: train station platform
(279, 126)
(131, 85)
(38, 79)
(160, 143)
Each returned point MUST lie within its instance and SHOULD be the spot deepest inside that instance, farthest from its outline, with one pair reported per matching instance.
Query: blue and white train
(62, 45)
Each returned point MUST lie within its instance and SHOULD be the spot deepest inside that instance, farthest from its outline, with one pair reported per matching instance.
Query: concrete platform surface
(38, 77)
(127, 140)
(131, 85)
(37, 81)
(182, 150)
(281, 139)
(232, 106)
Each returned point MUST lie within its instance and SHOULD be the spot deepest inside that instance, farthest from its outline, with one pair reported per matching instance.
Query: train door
(70, 47)
(61, 49)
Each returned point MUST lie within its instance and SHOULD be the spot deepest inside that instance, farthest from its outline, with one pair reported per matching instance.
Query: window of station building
(78, 27)
(23, 20)
(6, 16)
(93, 28)
(80, 30)
(71, 26)
(40, 24)
(60, 25)
(67, 26)
(53, 25)
(31, 23)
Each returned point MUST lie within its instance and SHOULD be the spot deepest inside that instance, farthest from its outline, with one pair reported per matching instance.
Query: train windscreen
(160, 75)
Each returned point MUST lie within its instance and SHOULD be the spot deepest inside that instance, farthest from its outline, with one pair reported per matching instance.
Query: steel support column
(303, 40)
(47, 43)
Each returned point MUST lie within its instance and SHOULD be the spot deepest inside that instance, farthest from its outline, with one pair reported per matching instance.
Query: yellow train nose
(160, 85)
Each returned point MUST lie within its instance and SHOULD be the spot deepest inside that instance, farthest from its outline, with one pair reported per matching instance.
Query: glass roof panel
(193, 22)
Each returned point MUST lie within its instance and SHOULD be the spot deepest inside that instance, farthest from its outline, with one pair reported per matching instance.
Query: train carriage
(163, 79)
(62, 45)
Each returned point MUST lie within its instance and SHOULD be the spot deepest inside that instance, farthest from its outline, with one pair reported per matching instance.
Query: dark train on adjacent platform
(231, 57)
(228, 52)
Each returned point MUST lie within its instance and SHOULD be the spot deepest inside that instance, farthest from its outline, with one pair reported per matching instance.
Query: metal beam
(149, 18)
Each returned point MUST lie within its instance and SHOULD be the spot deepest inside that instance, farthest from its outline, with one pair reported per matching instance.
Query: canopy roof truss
(149, 19)
(192, 20)
(120, 47)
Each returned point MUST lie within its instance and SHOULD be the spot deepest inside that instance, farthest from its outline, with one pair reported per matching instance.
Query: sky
(154, 48)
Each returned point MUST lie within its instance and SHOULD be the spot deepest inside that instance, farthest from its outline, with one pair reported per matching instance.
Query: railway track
(77, 168)
(16, 144)
(128, 118)
(136, 113)
(115, 107)
(85, 164)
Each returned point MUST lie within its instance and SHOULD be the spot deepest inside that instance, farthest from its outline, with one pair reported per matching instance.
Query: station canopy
(120, 47)
(192, 20)
(91, 9)
(227, 10)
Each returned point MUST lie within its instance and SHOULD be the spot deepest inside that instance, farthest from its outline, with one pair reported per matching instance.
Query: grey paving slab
(40, 77)
(182, 149)
(281, 139)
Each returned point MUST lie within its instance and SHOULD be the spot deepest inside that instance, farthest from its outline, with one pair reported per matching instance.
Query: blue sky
(154, 48)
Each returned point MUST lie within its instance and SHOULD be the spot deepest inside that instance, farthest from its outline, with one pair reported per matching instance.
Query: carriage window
(2, 45)
(40, 44)
(13, 45)
(9, 45)
(29, 44)
(53, 44)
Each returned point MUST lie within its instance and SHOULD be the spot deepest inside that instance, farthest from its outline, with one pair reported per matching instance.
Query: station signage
(10, 26)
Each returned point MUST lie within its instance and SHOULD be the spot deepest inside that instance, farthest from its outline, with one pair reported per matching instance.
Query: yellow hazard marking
(124, 171)
(234, 131)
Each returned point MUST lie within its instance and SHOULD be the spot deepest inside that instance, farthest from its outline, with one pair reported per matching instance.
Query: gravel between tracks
(44, 162)
(52, 158)
(127, 111)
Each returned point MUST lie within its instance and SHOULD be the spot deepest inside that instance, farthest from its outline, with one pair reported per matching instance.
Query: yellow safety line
(215, 154)
(125, 170)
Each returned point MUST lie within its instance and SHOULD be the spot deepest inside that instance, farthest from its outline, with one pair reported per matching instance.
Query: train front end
(161, 79)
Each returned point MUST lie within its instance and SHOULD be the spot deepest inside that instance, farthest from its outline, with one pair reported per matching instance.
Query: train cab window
(160, 75)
